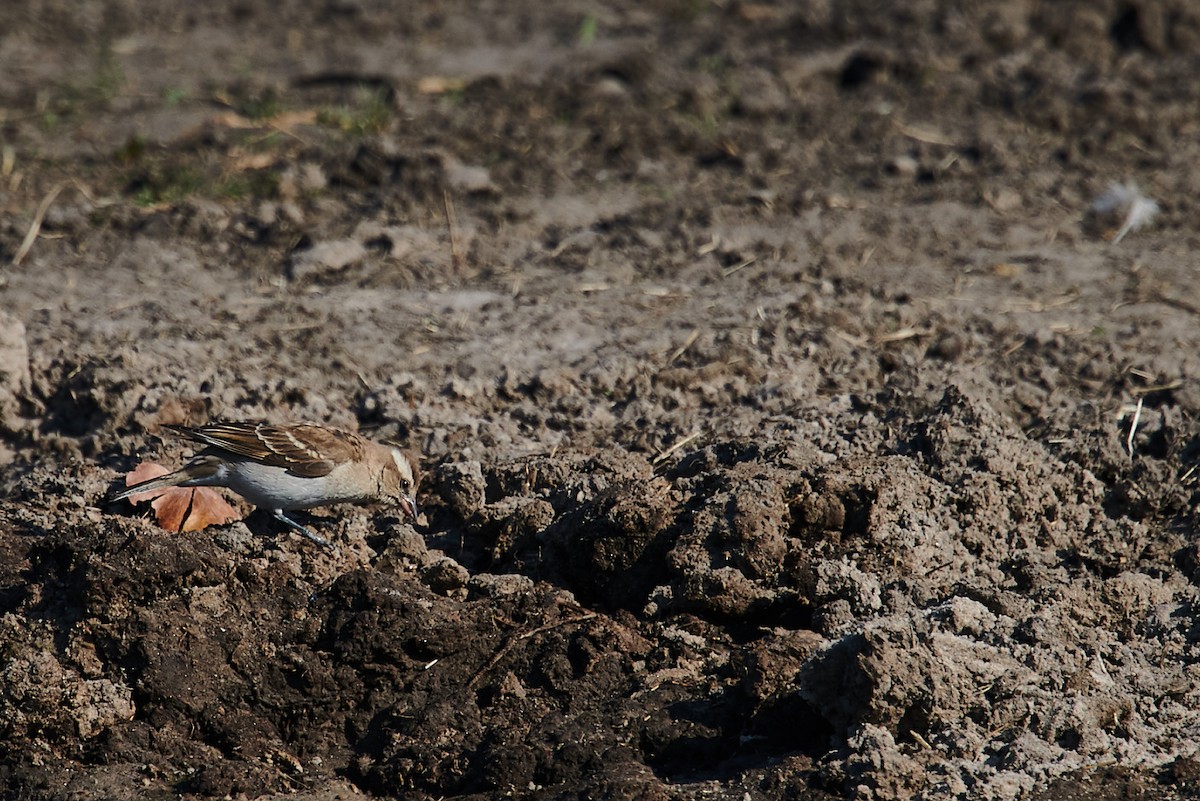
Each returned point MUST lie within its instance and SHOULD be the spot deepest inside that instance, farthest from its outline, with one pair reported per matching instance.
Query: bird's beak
(408, 505)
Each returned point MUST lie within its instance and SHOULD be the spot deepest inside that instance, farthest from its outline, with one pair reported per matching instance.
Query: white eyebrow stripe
(401, 463)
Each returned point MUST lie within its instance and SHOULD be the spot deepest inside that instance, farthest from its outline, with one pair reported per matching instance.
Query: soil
(790, 428)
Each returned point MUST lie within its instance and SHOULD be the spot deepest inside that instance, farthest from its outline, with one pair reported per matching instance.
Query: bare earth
(774, 391)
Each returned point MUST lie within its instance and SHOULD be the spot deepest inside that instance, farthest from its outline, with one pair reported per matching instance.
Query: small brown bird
(291, 466)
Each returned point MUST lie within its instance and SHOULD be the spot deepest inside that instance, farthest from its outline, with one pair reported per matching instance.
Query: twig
(82, 189)
(1177, 303)
(1176, 384)
(687, 343)
(452, 223)
(929, 137)
(846, 336)
(1137, 416)
(1016, 346)
(36, 225)
(916, 735)
(902, 334)
(679, 443)
(1142, 374)
(513, 640)
(741, 265)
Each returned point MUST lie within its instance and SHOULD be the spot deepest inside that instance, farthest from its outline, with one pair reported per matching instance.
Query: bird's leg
(292, 524)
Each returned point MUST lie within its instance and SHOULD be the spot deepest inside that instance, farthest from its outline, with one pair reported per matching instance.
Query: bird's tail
(150, 485)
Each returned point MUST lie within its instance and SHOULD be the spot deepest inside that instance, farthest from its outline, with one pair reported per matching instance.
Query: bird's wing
(302, 449)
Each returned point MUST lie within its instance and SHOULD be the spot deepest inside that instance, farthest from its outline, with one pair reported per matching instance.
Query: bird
(285, 467)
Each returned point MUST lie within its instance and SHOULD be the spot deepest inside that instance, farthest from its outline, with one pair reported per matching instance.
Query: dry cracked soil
(791, 428)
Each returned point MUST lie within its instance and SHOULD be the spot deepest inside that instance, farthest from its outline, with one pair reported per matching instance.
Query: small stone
(326, 258)
(905, 166)
(467, 178)
(462, 487)
(407, 546)
(444, 576)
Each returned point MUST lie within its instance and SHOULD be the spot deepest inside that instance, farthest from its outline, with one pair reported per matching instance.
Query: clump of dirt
(788, 431)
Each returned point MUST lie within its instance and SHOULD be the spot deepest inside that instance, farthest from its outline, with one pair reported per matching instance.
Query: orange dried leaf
(144, 472)
(180, 508)
(208, 509)
(171, 508)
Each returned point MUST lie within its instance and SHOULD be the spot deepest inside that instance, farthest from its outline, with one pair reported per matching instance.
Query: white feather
(1126, 203)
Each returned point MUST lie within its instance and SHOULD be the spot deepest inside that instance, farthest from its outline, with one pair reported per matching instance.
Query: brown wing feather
(303, 449)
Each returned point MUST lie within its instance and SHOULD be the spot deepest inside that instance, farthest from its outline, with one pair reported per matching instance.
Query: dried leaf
(144, 472)
(208, 509)
(171, 507)
(180, 509)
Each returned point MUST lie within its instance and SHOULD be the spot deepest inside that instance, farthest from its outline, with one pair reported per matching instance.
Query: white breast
(275, 488)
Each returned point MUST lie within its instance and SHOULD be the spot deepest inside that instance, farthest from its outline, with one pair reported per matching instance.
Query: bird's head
(398, 482)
